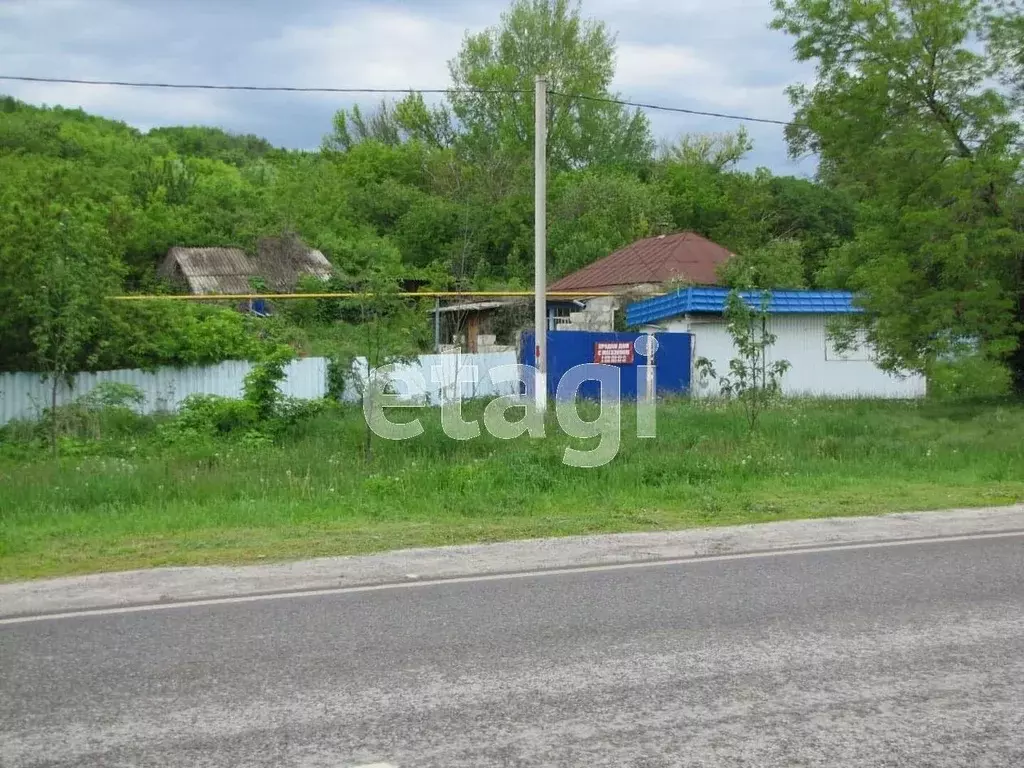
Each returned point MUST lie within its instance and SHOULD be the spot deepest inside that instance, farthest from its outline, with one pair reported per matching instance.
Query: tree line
(913, 117)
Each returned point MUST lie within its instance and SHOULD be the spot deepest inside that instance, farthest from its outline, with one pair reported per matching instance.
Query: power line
(216, 87)
(325, 89)
(681, 110)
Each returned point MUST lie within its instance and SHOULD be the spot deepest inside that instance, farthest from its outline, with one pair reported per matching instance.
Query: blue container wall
(567, 349)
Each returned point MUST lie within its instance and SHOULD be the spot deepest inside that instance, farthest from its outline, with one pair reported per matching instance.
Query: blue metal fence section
(703, 299)
(567, 349)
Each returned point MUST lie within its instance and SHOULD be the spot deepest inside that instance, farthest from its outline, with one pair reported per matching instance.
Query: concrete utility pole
(437, 325)
(540, 246)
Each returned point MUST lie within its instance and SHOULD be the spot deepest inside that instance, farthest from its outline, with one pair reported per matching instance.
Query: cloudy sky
(689, 53)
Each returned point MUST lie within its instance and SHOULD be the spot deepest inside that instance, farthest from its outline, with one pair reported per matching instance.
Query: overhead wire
(342, 90)
(266, 88)
(680, 110)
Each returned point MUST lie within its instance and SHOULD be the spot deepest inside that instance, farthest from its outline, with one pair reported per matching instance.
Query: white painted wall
(815, 367)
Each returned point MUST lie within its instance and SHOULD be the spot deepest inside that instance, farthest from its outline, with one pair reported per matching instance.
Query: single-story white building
(799, 320)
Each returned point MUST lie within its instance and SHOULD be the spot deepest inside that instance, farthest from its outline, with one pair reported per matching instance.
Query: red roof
(684, 255)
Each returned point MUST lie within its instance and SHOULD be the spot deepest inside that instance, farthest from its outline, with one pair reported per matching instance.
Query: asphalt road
(891, 655)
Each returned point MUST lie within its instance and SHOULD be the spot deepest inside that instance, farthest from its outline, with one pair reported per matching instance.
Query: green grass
(132, 502)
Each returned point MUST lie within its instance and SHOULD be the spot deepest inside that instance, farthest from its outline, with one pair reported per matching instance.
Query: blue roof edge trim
(701, 299)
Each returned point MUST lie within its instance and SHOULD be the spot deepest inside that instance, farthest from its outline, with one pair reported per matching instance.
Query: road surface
(908, 654)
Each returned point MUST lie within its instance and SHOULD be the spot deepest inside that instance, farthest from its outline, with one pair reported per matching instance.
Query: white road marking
(377, 765)
(696, 560)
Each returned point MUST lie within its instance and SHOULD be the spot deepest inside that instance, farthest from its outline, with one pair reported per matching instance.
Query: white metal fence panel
(439, 379)
(25, 395)
(435, 378)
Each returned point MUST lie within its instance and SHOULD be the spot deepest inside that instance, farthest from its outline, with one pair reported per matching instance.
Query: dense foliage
(918, 203)
(916, 114)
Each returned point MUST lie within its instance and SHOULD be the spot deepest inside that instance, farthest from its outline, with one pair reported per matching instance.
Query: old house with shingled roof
(279, 262)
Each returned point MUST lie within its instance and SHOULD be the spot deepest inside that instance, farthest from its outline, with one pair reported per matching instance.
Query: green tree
(214, 143)
(594, 213)
(913, 113)
(431, 125)
(491, 197)
(74, 275)
(352, 127)
(391, 123)
(720, 151)
(752, 379)
(493, 85)
(778, 264)
(821, 218)
(388, 328)
(732, 208)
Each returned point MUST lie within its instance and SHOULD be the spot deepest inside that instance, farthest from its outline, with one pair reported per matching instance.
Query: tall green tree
(718, 151)
(409, 119)
(818, 217)
(351, 127)
(73, 271)
(593, 214)
(493, 85)
(779, 264)
(914, 112)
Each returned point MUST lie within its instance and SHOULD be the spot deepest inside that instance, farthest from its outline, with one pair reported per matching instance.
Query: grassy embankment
(136, 500)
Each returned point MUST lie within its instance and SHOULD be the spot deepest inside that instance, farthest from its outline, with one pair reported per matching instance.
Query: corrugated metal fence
(25, 395)
(439, 379)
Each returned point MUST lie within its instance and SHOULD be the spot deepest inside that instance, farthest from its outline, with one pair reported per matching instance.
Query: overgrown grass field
(129, 497)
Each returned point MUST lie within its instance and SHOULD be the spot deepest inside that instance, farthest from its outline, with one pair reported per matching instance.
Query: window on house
(859, 350)
(558, 316)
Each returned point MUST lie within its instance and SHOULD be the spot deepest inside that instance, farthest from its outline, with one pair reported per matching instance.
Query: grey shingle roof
(279, 261)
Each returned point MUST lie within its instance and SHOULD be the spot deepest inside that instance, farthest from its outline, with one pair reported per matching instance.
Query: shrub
(109, 409)
(113, 394)
(212, 414)
(292, 410)
(307, 312)
(256, 440)
(261, 382)
(972, 377)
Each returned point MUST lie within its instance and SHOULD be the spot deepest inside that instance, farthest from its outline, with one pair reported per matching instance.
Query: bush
(972, 377)
(292, 410)
(307, 312)
(109, 409)
(204, 416)
(261, 382)
(212, 414)
(113, 394)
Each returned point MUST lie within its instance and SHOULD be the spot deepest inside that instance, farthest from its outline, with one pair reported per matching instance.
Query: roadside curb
(166, 585)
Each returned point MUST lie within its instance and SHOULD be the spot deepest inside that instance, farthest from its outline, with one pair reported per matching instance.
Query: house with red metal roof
(636, 270)
(643, 267)
(650, 263)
